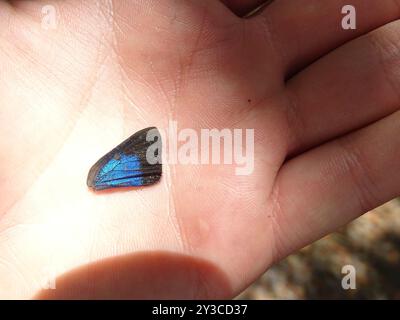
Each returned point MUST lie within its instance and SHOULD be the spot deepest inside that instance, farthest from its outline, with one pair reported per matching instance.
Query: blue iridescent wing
(135, 162)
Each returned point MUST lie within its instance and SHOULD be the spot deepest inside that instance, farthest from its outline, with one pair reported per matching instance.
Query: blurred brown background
(371, 244)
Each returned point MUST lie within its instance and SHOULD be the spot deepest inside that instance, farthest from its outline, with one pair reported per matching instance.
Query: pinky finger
(327, 187)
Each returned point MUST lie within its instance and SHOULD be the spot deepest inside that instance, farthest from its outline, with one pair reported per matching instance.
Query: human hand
(327, 139)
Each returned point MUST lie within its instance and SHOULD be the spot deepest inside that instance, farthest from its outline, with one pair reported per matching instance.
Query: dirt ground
(371, 244)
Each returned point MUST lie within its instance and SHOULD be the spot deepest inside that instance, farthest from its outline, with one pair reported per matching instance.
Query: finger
(304, 30)
(327, 187)
(353, 86)
(243, 7)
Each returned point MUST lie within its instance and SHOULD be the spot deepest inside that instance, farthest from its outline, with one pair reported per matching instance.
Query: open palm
(323, 102)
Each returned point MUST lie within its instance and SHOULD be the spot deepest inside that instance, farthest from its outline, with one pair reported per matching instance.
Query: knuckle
(360, 175)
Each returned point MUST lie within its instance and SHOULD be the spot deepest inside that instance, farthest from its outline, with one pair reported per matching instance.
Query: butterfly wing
(130, 163)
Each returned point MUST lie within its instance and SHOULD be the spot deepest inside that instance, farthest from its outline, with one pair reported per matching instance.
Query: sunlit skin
(324, 103)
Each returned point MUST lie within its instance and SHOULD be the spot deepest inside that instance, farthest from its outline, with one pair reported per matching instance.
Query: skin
(323, 101)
